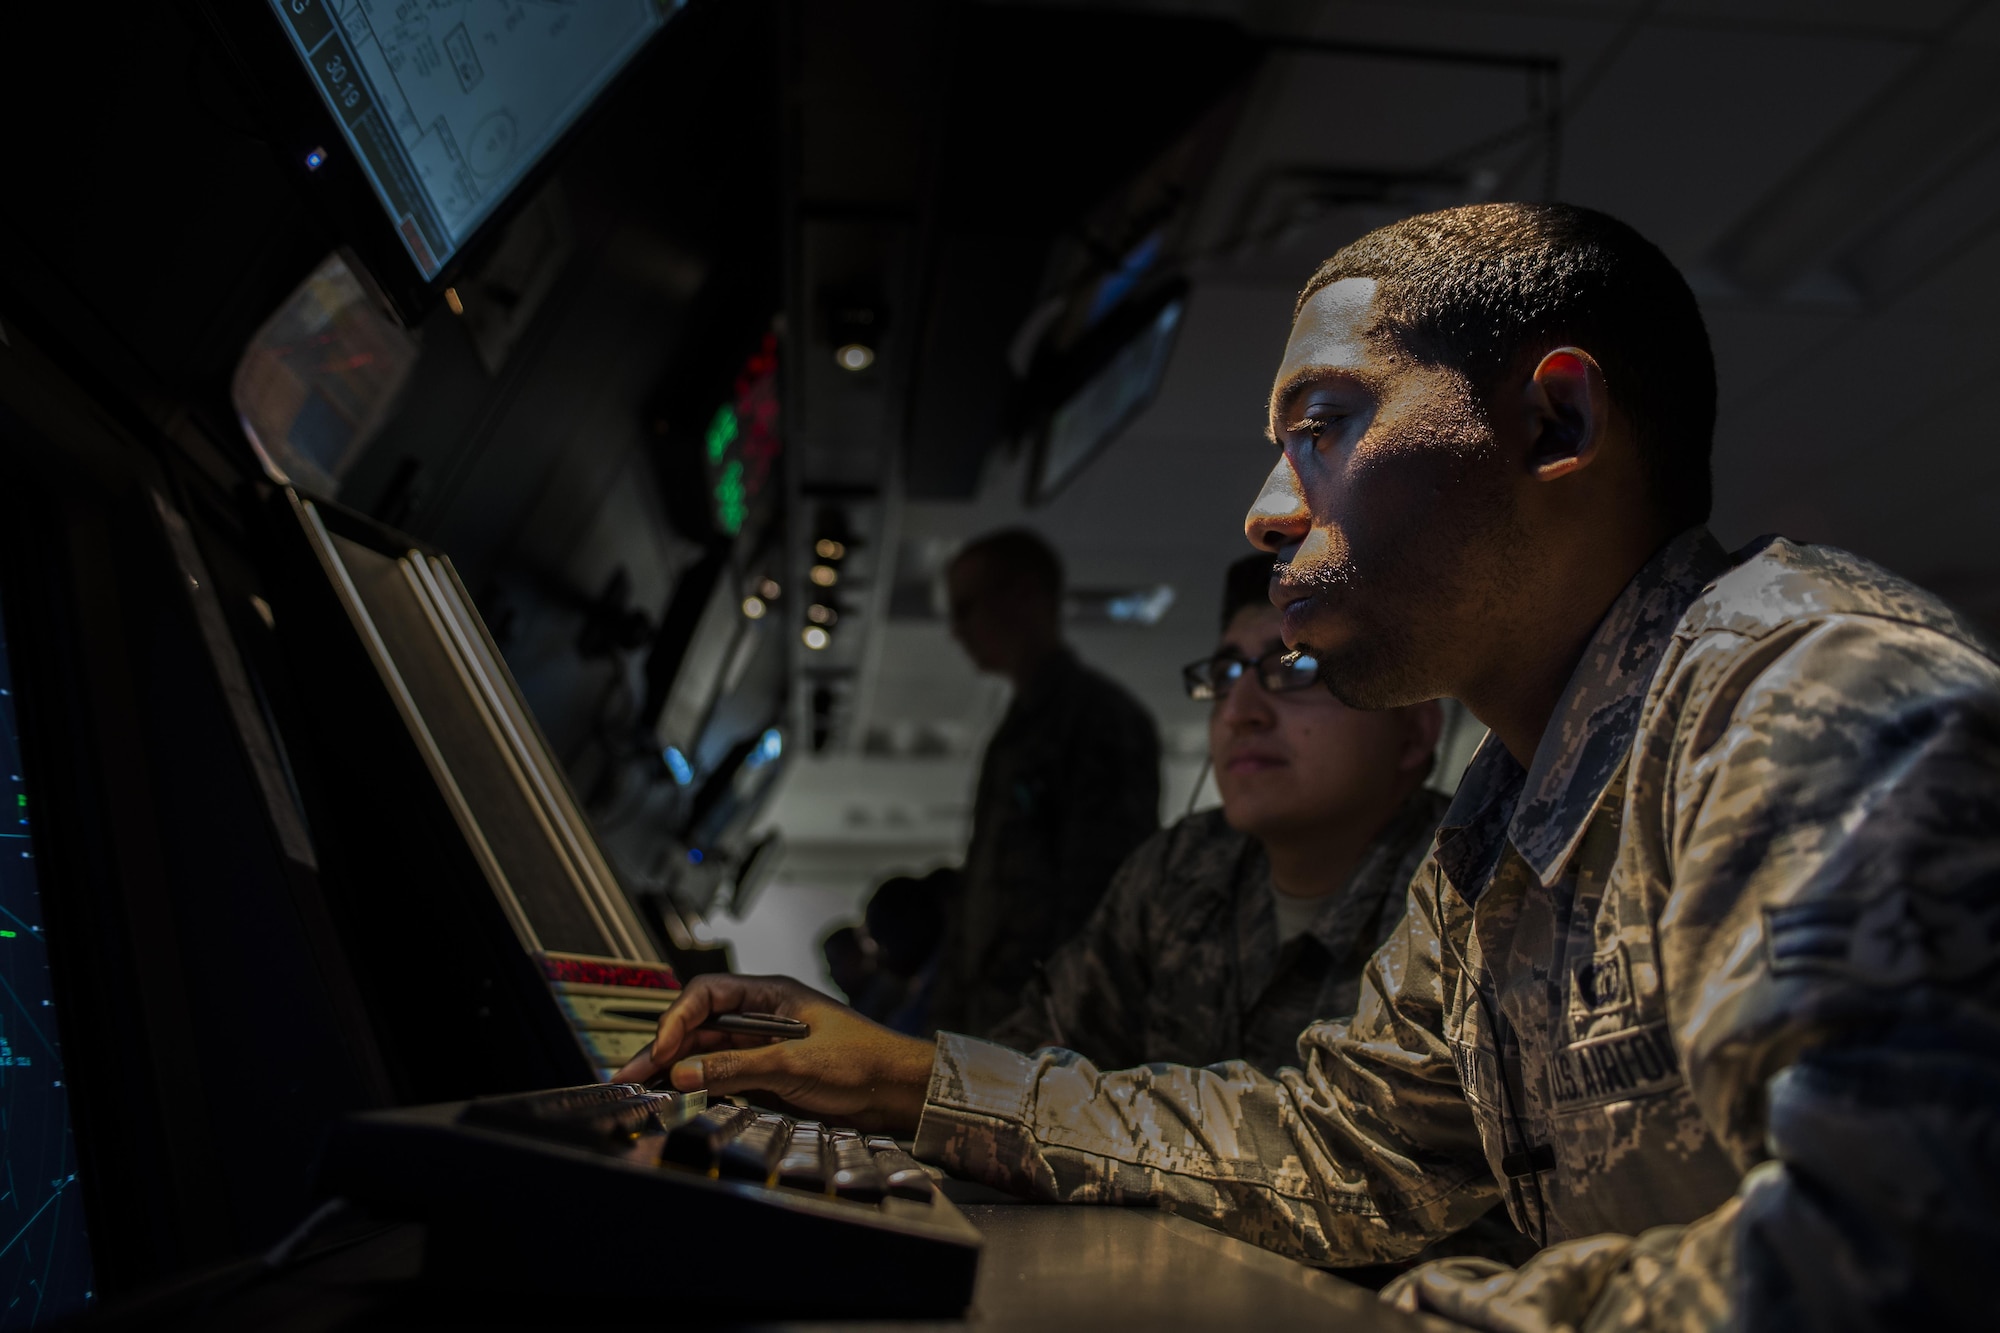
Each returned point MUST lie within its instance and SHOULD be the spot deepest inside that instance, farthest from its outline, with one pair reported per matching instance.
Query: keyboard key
(753, 1154)
(854, 1173)
(901, 1173)
(699, 1142)
(803, 1167)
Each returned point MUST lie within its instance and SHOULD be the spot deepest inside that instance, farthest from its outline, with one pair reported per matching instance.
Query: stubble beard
(1419, 597)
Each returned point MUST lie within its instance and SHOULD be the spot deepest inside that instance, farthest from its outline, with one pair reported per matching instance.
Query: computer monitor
(441, 112)
(1116, 369)
(45, 1261)
(1107, 404)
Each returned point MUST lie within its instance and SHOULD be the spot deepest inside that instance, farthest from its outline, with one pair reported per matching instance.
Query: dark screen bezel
(297, 122)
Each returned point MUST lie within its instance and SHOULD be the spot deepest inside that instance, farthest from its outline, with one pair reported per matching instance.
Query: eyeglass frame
(1277, 672)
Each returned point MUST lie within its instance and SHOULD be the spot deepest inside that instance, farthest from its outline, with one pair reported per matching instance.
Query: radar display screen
(447, 104)
(45, 1267)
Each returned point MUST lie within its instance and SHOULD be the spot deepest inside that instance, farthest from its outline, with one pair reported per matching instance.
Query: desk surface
(1050, 1269)
(1084, 1268)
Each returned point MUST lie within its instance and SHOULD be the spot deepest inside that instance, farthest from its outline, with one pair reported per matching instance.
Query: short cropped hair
(1491, 288)
(1248, 583)
(1023, 555)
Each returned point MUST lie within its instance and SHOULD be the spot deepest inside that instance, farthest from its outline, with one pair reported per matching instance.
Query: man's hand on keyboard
(849, 1069)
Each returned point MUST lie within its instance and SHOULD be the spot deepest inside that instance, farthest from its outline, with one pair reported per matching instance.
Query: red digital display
(605, 972)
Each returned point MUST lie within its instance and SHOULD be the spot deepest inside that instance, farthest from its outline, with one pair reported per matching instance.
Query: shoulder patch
(1895, 939)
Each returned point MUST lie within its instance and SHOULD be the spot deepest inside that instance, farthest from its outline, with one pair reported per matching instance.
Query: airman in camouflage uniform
(1182, 962)
(1702, 975)
(1709, 994)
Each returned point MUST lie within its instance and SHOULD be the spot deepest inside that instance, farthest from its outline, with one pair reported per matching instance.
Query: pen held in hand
(757, 1025)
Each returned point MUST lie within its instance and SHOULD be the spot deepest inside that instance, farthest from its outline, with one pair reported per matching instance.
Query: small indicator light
(6, 934)
(855, 356)
(754, 608)
(451, 299)
(315, 159)
(677, 764)
(821, 615)
(823, 576)
(694, 856)
(816, 638)
(768, 590)
(826, 548)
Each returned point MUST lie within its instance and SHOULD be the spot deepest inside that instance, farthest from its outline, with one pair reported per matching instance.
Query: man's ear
(1568, 413)
(1424, 723)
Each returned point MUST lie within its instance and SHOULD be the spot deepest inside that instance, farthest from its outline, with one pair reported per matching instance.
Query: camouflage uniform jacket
(1181, 963)
(1070, 784)
(1711, 990)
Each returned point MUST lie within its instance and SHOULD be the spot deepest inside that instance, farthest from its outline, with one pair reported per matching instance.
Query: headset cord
(1207, 763)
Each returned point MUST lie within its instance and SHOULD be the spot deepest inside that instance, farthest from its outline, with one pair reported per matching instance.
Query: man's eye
(1315, 426)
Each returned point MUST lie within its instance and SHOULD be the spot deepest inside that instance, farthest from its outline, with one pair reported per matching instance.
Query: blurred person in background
(1226, 935)
(887, 966)
(850, 961)
(1070, 783)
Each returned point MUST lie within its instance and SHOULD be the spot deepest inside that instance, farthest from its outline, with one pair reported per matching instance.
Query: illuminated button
(677, 764)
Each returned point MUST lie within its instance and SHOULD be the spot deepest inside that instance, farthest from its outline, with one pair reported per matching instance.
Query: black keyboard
(554, 1193)
(746, 1144)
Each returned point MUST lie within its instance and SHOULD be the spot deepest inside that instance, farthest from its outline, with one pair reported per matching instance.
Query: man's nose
(1279, 518)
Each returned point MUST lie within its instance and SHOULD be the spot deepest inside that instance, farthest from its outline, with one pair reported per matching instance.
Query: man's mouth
(1297, 612)
(1252, 763)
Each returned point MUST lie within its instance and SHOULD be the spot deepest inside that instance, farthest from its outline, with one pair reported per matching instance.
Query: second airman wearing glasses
(1225, 935)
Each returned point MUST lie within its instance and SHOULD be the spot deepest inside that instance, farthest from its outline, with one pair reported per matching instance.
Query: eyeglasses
(1280, 671)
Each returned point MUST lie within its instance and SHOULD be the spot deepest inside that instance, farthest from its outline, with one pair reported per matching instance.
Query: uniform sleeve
(1090, 995)
(1364, 1156)
(1831, 945)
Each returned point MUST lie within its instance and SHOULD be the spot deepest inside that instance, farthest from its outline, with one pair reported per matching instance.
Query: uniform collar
(1345, 915)
(1545, 810)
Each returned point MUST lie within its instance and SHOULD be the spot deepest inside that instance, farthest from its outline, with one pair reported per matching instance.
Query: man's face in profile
(983, 608)
(1390, 508)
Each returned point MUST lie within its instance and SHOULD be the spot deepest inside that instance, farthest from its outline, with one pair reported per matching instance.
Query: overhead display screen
(1110, 401)
(446, 104)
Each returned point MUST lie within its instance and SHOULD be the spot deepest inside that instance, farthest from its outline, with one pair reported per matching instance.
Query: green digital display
(741, 445)
(731, 504)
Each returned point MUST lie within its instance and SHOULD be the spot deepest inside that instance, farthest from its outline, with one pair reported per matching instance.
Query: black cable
(1207, 763)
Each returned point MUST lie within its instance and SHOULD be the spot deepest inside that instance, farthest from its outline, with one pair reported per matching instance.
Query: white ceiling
(1858, 419)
